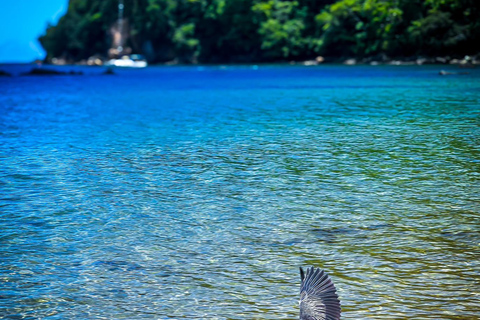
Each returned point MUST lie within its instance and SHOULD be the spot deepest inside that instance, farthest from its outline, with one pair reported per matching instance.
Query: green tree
(448, 27)
(359, 28)
(227, 32)
(281, 28)
(268, 30)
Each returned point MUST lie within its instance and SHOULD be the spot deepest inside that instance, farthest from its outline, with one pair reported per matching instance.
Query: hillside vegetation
(236, 31)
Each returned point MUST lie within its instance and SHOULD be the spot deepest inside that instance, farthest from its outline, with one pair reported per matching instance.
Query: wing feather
(318, 297)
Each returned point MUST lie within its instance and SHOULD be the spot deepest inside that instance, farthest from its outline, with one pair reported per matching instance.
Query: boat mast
(120, 24)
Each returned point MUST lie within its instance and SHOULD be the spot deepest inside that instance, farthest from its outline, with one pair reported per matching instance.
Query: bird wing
(318, 297)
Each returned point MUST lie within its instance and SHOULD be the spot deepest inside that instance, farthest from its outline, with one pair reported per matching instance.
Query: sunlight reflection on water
(170, 193)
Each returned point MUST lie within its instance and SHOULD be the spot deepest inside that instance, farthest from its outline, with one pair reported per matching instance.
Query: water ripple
(170, 193)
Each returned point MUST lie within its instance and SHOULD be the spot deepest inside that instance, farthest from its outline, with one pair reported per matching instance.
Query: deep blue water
(197, 192)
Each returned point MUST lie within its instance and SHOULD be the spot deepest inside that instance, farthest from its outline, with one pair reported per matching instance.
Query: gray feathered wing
(318, 297)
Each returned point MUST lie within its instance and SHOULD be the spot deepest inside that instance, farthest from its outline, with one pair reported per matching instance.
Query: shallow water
(197, 192)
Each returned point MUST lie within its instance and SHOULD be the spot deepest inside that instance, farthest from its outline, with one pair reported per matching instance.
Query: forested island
(255, 31)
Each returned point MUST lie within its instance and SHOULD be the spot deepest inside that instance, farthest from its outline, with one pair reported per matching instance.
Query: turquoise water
(197, 192)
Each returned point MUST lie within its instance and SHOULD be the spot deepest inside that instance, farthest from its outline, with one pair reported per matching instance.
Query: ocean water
(197, 192)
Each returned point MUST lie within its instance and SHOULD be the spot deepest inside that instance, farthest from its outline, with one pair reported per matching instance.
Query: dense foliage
(269, 30)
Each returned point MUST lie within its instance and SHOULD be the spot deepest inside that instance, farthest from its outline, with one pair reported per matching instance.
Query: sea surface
(197, 192)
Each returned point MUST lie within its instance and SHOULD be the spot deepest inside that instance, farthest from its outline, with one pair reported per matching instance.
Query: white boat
(126, 59)
(131, 61)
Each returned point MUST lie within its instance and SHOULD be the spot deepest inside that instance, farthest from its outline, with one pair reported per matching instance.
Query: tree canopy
(232, 31)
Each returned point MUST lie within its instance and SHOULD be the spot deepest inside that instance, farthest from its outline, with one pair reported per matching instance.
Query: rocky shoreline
(42, 69)
(466, 61)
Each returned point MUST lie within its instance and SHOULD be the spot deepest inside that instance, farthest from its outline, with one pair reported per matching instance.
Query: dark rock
(43, 72)
(5, 74)
(109, 71)
(446, 73)
(50, 72)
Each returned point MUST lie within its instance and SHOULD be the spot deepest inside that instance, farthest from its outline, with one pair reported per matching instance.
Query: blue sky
(21, 22)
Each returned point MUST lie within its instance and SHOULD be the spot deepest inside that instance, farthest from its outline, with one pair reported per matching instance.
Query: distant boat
(120, 55)
(132, 61)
